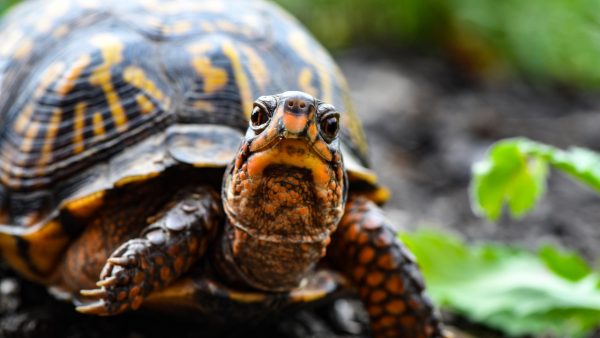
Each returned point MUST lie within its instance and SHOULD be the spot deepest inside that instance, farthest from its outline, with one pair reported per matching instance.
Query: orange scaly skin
(175, 239)
(365, 248)
(284, 194)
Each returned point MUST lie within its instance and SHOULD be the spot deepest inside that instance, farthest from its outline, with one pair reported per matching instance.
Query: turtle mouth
(295, 141)
(286, 188)
(293, 153)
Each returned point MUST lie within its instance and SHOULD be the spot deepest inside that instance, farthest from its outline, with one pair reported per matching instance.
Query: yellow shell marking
(10, 40)
(300, 45)
(240, 77)
(199, 48)
(146, 106)
(78, 126)
(207, 27)
(98, 122)
(60, 31)
(112, 53)
(214, 78)
(51, 74)
(247, 297)
(136, 77)
(305, 82)
(10, 254)
(204, 106)
(6, 167)
(24, 48)
(86, 205)
(44, 22)
(180, 27)
(70, 78)
(307, 296)
(349, 120)
(50, 241)
(257, 67)
(24, 118)
(154, 22)
(226, 26)
(30, 134)
(51, 132)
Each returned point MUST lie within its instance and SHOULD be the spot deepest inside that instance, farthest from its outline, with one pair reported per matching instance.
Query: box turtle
(146, 159)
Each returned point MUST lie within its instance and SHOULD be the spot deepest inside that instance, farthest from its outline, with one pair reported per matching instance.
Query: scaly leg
(365, 248)
(174, 240)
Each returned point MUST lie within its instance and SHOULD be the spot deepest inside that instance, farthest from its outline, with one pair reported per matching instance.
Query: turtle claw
(124, 281)
(95, 308)
(107, 282)
(94, 293)
(122, 261)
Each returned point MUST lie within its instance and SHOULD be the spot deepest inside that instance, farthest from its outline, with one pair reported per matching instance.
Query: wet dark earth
(426, 123)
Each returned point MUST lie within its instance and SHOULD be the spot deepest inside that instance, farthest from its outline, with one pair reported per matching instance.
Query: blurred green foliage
(391, 23)
(514, 173)
(5, 4)
(556, 40)
(518, 292)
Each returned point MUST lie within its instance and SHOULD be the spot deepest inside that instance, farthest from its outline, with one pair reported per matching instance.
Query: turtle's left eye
(259, 116)
(330, 125)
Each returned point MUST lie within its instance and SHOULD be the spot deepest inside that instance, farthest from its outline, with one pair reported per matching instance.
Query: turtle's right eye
(259, 116)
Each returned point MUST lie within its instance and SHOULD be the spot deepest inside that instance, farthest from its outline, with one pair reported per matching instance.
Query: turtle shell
(97, 94)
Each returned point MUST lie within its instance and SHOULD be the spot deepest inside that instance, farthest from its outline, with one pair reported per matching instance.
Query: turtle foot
(124, 282)
(166, 249)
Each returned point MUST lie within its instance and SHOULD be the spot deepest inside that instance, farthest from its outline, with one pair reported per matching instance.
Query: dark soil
(426, 124)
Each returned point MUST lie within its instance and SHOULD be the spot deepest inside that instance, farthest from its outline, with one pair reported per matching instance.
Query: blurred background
(436, 82)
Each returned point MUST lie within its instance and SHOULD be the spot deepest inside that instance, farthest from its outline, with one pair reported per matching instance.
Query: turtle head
(287, 182)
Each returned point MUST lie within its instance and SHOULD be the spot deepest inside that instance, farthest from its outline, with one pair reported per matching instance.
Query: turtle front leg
(365, 248)
(175, 239)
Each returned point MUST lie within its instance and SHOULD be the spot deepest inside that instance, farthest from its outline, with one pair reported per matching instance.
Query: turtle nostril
(298, 105)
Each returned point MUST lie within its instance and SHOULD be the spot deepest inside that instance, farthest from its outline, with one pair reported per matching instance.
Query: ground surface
(426, 124)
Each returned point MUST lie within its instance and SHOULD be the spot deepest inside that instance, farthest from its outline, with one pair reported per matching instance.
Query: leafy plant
(562, 43)
(513, 290)
(515, 170)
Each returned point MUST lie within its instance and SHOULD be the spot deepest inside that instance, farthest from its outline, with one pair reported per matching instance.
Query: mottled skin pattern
(136, 263)
(117, 119)
(285, 193)
(365, 247)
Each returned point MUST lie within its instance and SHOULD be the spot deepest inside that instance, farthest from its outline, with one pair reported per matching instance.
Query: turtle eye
(330, 126)
(259, 116)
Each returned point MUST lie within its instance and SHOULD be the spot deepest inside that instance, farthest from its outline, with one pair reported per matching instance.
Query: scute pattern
(104, 75)
(87, 105)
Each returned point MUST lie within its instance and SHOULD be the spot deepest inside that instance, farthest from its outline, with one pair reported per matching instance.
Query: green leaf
(507, 175)
(509, 289)
(514, 173)
(580, 163)
(566, 264)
